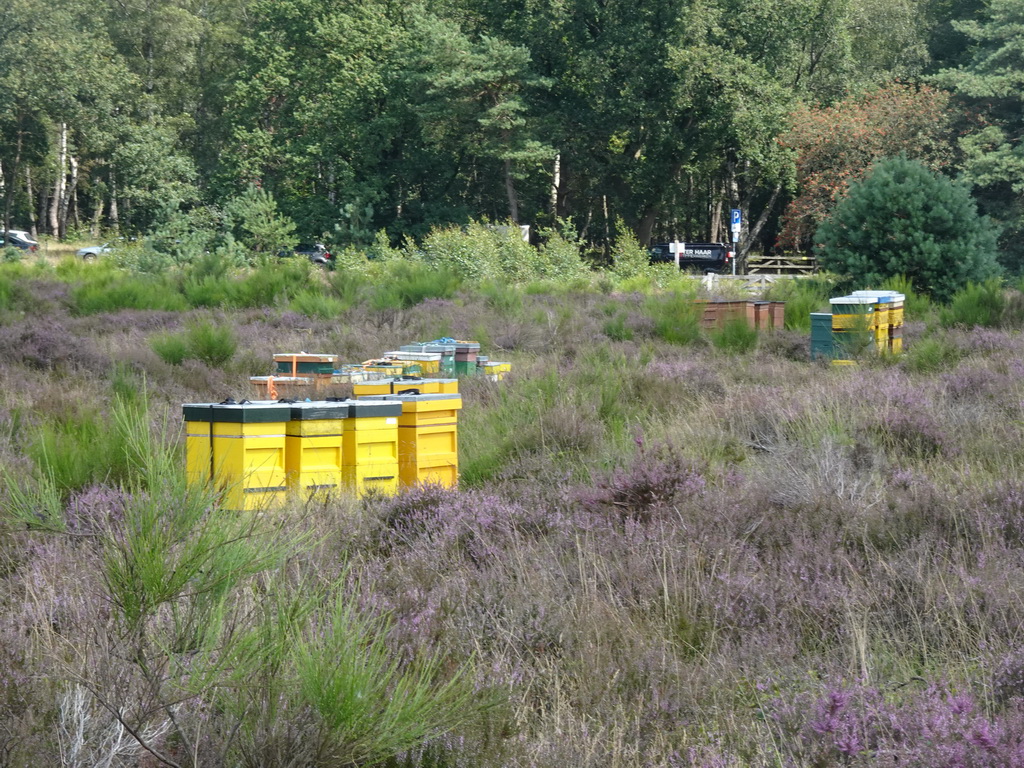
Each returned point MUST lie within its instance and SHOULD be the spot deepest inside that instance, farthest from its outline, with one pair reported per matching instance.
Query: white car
(95, 250)
(22, 234)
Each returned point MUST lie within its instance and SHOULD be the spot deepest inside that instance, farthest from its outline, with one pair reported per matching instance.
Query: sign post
(737, 225)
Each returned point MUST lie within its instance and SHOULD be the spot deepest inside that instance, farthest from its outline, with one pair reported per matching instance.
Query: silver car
(92, 251)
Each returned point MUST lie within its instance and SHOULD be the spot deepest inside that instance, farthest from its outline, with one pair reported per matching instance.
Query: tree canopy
(357, 118)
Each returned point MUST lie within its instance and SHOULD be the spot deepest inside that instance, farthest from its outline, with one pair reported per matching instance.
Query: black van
(699, 257)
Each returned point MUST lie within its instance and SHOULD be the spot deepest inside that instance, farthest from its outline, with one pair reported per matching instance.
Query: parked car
(315, 252)
(92, 251)
(21, 243)
(699, 257)
(23, 234)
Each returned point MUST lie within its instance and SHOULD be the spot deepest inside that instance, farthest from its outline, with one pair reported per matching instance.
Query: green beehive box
(822, 339)
(286, 367)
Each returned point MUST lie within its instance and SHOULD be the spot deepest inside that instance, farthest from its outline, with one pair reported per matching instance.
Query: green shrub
(932, 355)
(83, 447)
(736, 337)
(629, 258)
(273, 283)
(254, 220)
(560, 256)
(616, 329)
(172, 348)
(213, 344)
(802, 296)
(316, 304)
(977, 304)
(916, 306)
(413, 283)
(206, 291)
(470, 253)
(676, 317)
(126, 292)
(347, 286)
(501, 296)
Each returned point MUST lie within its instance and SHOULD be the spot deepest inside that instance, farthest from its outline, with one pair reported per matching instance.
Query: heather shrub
(976, 304)
(913, 432)
(735, 337)
(48, 345)
(655, 479)
(861, 725)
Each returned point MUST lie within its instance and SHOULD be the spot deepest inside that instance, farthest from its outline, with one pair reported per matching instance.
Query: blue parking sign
(737, 217)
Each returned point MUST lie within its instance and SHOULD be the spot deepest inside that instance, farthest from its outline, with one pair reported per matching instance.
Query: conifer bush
(904, 219)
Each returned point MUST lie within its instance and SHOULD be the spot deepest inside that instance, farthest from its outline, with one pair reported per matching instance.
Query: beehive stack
(428, 447)
(313, 448)
(370, 447)
(852, 326)
(239, 449)
(888, 325)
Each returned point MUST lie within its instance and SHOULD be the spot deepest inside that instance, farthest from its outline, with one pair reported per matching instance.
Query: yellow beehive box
(239, 448)
(423, 473)
(437, 442)
(428, 362)
(852, 313)
(424, 410)
(371, 478)
(401, 384)
(380, 387)
(496, 371)
(313, 456)
(370, 446)
(428, 448)
(888, 306)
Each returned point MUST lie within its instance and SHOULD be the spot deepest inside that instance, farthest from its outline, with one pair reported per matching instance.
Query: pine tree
(903, 219)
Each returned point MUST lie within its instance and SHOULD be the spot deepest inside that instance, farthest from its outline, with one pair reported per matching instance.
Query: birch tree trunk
(556, 182)
(67, 203)
(114, 216)
(61, 180)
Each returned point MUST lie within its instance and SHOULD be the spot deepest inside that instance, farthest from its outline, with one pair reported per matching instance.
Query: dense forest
(353, 118)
